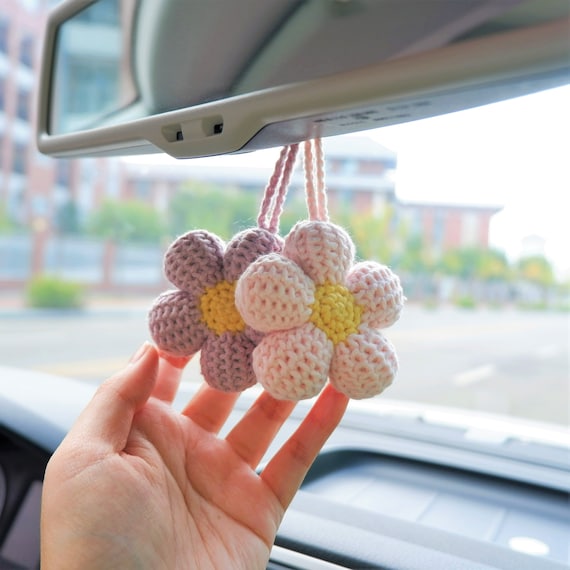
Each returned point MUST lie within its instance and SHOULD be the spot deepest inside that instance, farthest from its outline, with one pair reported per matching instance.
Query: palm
(171, 493)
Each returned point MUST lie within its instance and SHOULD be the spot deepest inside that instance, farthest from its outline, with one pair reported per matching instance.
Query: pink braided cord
(315, 180)
(276, 189)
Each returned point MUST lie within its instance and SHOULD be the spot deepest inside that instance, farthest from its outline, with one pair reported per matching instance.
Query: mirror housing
(473, 56)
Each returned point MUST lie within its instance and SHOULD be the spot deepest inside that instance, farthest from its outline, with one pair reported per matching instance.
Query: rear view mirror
(194, 78)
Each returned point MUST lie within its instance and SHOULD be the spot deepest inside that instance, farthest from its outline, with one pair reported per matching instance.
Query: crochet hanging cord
(320, 311)
(296, 312)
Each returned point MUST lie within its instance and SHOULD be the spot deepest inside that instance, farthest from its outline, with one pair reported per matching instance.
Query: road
(502, 361)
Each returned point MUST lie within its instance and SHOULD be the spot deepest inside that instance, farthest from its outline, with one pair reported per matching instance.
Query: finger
(170, 370)
(107, 419)
(287, 469)
(210, 408)
(251, 437)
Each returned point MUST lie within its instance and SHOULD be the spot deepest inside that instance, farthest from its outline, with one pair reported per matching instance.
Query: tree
(475, 263)
(127, 221)
(376, 237)
(220, 210)
(536, 269)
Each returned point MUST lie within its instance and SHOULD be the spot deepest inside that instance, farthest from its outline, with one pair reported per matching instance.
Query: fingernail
(140, 352)
(176, 361)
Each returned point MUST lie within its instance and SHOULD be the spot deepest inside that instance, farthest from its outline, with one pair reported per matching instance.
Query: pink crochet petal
(378, 291)
(175, 325)
(226, 362)
(293, 365)
(363, 365)
(246, 247)
(274, 294)
(323, 250)
(195, 261)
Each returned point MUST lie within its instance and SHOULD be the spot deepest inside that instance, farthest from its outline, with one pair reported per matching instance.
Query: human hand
(136, 484)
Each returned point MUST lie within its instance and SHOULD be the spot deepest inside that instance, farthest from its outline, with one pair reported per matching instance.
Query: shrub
(465, 302)
(49, 292)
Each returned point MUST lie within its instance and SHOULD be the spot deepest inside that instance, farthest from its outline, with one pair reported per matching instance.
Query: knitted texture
(321, 314)
(201, 314)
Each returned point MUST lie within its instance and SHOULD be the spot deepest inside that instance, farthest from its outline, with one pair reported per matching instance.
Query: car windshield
(470, 209)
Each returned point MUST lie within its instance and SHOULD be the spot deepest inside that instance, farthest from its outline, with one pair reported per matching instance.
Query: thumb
(107, 419)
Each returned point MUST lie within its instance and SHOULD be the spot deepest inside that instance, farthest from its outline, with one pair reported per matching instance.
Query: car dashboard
(392, 489)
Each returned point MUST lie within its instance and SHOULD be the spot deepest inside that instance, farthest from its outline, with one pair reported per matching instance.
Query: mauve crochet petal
(254, 335)
(175, 325)
(195, 261)
(363, 365)
(245, 248)
(226, 362)
(378, 291)
(324, 251)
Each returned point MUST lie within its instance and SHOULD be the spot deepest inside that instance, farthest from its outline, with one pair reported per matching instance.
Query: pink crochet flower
(321, 314)
(201, 314)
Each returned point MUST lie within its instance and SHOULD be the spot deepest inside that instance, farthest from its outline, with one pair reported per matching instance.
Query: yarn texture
(201, 313)
(321, 314)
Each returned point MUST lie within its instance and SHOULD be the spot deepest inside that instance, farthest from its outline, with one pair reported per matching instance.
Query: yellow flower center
(335, 312)
(218, 308)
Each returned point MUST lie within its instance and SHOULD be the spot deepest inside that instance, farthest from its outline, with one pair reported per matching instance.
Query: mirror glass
(93, 75)
(119, 60)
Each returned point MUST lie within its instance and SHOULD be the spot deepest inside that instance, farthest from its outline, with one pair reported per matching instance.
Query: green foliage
(48, 292)
(475, 263)
(6, 225)
(223, 211)
(465, 302)
(295, 210)
(127, 221)
(536, 269)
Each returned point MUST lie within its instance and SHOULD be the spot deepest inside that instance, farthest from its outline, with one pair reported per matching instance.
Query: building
(443, 227)
(357, 174)
(37, 191)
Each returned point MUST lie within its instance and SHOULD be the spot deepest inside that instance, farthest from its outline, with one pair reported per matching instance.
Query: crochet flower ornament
(201, 315)
(322, 313)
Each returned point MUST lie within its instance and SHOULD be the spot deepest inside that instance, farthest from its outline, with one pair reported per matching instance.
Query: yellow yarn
(218, 308)
(335, 312)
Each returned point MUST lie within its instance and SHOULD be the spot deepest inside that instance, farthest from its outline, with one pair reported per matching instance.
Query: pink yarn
(320, 314)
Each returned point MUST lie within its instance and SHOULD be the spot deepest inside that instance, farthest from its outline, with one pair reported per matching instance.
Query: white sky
(514, 154)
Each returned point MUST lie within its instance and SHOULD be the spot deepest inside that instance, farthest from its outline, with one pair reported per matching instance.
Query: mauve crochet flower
(321, 314)
(201, 314)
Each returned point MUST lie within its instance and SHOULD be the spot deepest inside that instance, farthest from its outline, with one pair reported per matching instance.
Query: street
(503, 361)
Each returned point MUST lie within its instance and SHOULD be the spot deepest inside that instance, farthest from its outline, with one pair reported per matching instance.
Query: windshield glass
(470, 209)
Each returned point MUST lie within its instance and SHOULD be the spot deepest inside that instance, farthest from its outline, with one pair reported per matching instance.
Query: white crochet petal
(323, 250)
(378, 291)
(294, 364)
(363, 365)
(274, 294)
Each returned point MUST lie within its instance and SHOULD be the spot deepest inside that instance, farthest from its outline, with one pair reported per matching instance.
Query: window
(27, 51)
(143, 189)
(2, 93)
(23, 108)
(4, 35)
(20, 159)
(62, 168)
